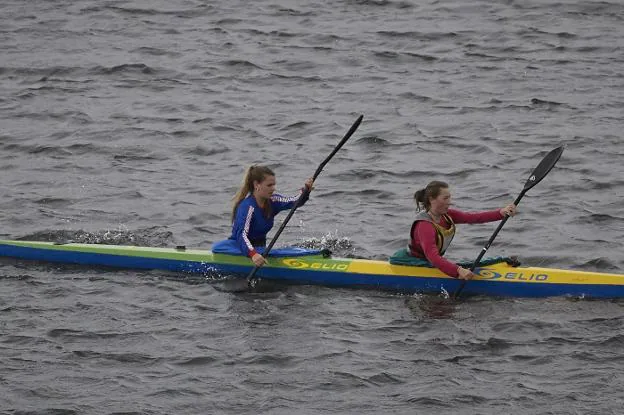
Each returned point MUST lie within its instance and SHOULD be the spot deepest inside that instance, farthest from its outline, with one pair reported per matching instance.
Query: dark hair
(253, 174)
(423, 196)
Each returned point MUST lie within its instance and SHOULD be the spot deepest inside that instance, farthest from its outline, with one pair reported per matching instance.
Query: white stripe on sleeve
(246, 228)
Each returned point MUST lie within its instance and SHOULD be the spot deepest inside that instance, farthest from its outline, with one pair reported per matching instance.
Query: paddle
(538, 174)
(251, 281)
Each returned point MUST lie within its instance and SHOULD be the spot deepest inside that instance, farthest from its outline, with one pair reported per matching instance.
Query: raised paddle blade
(538, 174)
(544, 167)
(251, 281)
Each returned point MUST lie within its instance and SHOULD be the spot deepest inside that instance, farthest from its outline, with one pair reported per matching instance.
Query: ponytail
(419, 198)
(423, 196)
(252, 174)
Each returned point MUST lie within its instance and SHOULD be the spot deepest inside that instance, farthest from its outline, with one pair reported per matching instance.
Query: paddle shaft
(542, 169)
(306, 192)
(487, 246)
(489, 243)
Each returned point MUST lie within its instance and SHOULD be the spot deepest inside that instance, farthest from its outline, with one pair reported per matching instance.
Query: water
(131, 122)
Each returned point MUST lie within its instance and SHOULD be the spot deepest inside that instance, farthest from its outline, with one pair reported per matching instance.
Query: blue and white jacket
(251, 226)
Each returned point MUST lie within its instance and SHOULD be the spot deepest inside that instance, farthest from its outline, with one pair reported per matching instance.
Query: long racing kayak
(498, 279)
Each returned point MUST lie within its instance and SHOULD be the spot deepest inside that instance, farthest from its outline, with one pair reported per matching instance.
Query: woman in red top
(434, 226)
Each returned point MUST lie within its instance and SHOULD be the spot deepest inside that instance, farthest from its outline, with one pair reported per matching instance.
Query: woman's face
(441, 203)
(265, 188)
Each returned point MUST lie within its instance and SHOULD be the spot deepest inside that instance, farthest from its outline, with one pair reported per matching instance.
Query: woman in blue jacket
(255, 206)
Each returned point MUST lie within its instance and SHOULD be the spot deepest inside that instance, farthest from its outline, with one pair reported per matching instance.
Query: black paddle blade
(544, 167)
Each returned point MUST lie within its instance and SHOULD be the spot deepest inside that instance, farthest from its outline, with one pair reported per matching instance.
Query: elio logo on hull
(488, 274)
(327, 266)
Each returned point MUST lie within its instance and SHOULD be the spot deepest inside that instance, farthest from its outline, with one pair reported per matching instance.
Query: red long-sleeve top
(424, 236)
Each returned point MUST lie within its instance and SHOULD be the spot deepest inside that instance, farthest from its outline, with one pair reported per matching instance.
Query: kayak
(497, 279)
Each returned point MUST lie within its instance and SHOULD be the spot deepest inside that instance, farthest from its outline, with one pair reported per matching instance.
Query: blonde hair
(423, 196)
(252, 174)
